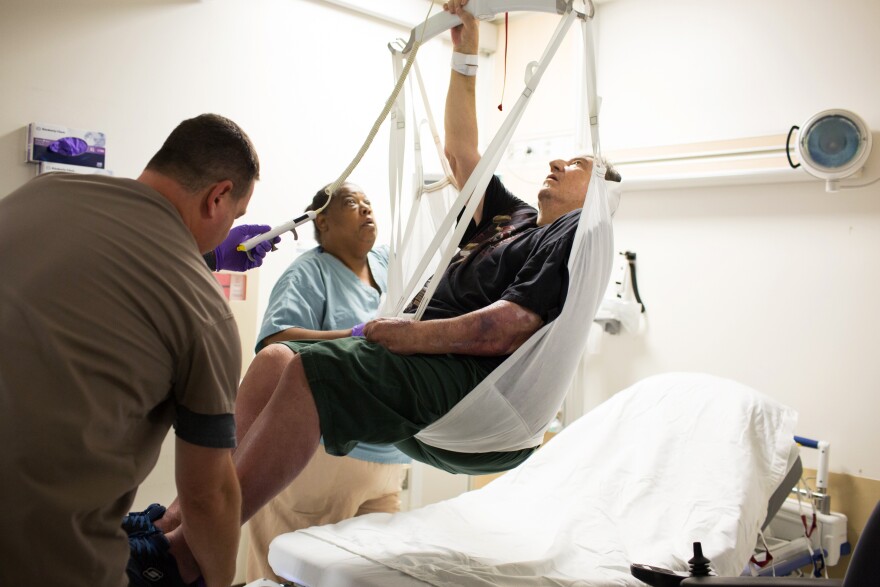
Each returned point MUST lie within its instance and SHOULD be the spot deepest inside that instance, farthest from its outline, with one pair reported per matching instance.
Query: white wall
(769, 284)
(772, 285)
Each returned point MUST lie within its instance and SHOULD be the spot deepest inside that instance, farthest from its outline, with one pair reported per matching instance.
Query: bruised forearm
(498, 329)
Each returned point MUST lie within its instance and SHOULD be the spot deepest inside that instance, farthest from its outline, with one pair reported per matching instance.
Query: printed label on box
(49, 167)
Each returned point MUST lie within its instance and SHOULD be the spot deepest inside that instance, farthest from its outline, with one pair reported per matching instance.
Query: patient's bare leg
(279, 442)
(274, 448)
(254, 393)
(259, 383)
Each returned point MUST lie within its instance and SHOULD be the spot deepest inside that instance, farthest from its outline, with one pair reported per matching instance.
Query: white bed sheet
(674, 459)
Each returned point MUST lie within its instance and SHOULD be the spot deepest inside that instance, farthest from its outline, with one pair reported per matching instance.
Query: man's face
(349, 218)
(214, 232)
(564, 189)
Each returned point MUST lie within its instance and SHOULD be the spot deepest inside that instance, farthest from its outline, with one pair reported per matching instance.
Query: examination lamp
(831, 145)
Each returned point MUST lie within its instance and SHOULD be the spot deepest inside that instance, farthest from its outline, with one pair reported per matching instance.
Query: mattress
(674, 459)
(310, 561)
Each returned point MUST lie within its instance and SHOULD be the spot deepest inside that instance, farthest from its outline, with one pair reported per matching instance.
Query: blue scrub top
(318, 292)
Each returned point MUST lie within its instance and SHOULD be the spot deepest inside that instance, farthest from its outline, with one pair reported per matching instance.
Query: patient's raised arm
(461, 113)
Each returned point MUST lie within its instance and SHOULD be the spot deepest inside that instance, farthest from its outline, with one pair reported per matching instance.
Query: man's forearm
(212, 526)
(495, 330)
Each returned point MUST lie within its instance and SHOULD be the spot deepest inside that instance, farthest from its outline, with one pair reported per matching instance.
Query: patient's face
(564, 188)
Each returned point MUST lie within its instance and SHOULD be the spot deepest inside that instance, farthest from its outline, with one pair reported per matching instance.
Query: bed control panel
(659, 577)
(656, 576)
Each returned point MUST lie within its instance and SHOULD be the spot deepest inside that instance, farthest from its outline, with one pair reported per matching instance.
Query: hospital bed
(675, 459)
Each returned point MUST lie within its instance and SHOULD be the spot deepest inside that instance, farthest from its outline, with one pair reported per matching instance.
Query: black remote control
(656, 576)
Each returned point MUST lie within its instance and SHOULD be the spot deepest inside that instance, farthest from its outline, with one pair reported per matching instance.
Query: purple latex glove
(70, 146)
(358, 329)
(228, 258)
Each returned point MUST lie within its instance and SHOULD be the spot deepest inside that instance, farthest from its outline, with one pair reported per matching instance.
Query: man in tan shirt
(112, 329)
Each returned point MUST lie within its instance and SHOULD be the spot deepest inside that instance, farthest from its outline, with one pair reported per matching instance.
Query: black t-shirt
(507, 257)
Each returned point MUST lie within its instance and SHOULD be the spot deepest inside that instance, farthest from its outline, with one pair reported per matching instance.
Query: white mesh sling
(513, 406)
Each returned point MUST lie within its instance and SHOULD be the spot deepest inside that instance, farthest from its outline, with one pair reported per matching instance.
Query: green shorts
(365, 393)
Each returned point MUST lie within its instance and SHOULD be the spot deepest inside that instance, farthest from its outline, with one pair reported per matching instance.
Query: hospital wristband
(464, 63)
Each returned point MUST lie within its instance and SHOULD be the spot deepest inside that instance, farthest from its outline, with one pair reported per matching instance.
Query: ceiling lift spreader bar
(483, 10)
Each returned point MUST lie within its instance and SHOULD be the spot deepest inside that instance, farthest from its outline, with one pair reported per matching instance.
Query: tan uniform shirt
(111, 328)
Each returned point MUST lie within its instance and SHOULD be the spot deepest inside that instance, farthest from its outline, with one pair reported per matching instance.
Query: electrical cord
(788, 147)
(631, 260)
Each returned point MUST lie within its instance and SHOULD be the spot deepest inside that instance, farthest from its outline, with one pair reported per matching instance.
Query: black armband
(212, 431)
(210, 260)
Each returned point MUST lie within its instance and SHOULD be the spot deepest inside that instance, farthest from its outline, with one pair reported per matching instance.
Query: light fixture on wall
(831, 145)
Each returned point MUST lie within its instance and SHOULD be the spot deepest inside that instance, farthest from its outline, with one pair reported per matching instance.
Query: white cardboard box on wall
(59, 144)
